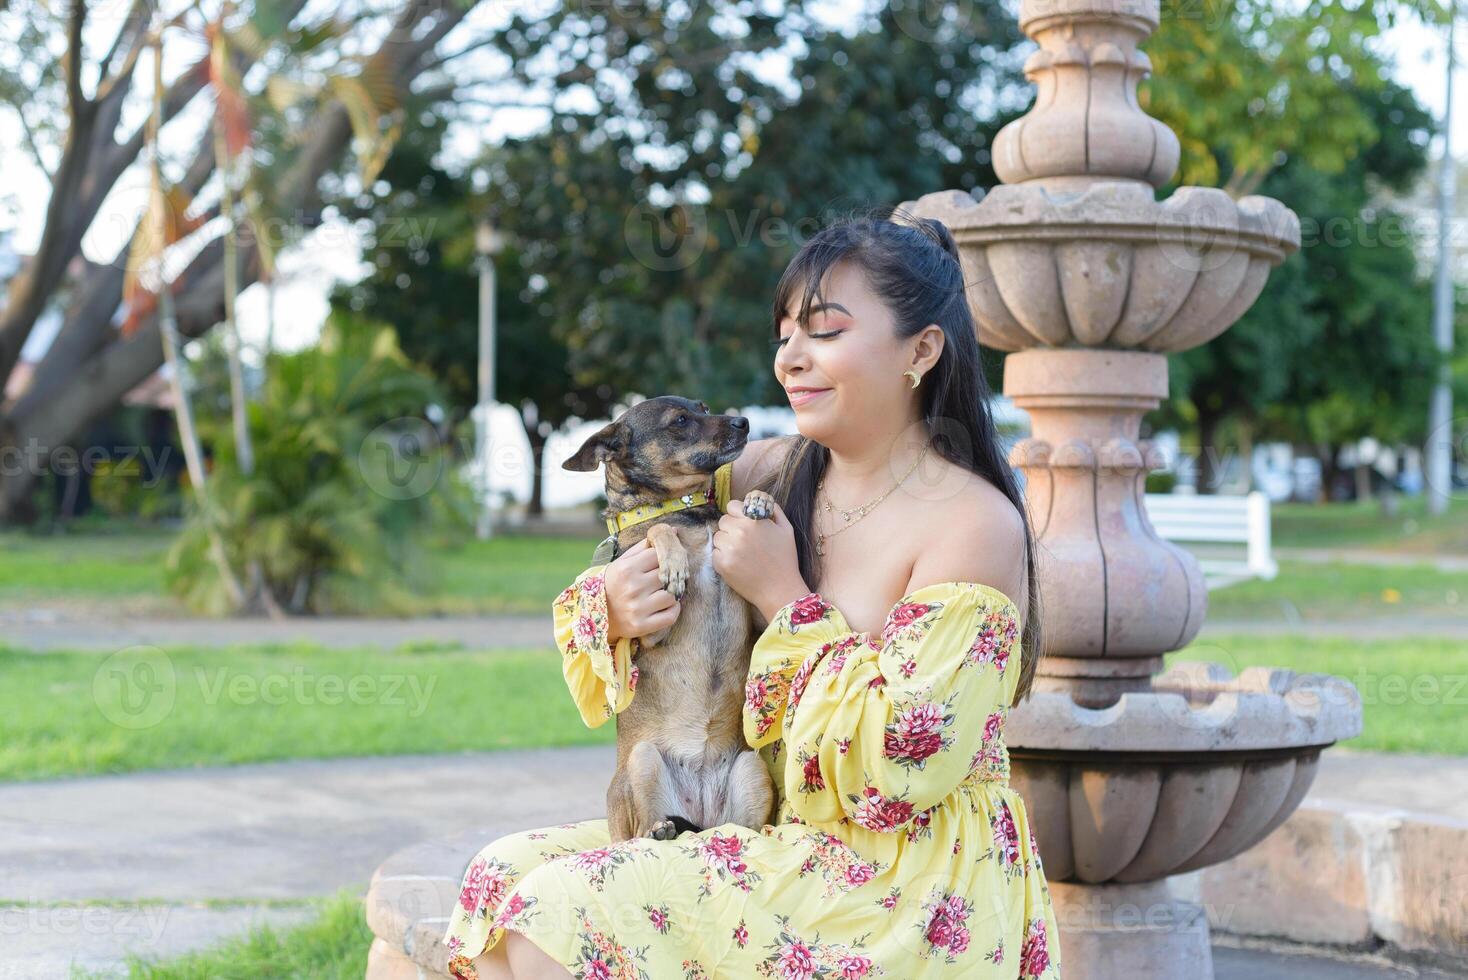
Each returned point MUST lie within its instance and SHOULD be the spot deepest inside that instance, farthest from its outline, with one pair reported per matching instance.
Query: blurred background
(305, 303)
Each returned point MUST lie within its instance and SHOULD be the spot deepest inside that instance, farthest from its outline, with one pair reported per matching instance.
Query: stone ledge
(1347, 874)
(409, 902)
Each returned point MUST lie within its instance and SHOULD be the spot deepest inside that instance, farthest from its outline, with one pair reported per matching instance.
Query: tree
(91, 364)
(1337, 345)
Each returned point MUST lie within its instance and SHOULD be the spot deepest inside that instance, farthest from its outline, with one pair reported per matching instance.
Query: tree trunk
(536, 508)
(1208, 470)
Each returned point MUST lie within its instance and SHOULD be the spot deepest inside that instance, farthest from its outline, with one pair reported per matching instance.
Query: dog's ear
(606, 443)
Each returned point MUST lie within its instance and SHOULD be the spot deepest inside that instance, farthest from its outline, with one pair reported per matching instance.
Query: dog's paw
(673, 573)
(663, 830)
(758, 505)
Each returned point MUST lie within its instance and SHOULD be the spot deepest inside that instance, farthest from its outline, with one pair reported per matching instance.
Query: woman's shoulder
(973, 535)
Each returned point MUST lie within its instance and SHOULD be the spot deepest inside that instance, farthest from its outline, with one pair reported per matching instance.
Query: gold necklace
(860, 512)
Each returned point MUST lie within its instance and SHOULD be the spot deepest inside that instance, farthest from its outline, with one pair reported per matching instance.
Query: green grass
(507, 574)
(1336, 591)
(73, 714)
(112, 565)
(141, 708)
(1414, 690)
(332, 946)
(1361, 524)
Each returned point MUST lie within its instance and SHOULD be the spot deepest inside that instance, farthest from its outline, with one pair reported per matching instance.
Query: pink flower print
(877, 681)
(658, 916)
(920, 719)
(1006, 838)
(632, 676)
(585, 630)
(991, 726)
(512, 908)
(811, 774)
(807, 609)
(843, 745)
(1001, 659)
(596, 970)
(879, 814)
(915, 735)
(741, 935)
(858, 873)
(903, 616)
(485, 884)
(1034, 955)
(853, 967)
(801, 679)
(592, 860)
(754, 694)
(796, 962)
(909, 667)
(724, 853)
(592, 584)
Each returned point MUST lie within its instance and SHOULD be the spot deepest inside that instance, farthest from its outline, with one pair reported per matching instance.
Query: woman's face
(851, 355)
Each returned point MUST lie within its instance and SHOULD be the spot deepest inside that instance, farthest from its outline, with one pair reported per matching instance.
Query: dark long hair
(913, 265)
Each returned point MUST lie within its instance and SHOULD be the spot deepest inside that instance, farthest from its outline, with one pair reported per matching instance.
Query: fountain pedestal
(1075, 268)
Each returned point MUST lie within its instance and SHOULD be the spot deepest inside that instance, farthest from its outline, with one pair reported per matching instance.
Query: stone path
(1371, 556)
(173, 860)
(30, 631)
(50, 630)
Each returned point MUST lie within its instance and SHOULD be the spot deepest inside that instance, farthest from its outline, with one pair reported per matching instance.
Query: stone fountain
(1131, 774)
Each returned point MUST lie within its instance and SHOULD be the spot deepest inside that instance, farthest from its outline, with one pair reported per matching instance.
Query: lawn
(82, 713)
(1362, 524)
(1336, 591)
(123, 570)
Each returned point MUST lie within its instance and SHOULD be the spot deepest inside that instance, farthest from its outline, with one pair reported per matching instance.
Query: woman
(877, 692)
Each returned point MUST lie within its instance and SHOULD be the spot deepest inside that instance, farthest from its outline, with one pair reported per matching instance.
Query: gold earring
(914, 376)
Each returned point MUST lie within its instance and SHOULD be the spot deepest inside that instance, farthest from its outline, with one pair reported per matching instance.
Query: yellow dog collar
(718, 493)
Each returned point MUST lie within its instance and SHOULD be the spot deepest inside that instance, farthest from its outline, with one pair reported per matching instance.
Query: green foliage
(325, 516)
(1338, 343)
(1248, 84)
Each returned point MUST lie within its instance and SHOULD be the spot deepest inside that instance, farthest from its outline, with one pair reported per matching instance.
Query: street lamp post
(488, 243)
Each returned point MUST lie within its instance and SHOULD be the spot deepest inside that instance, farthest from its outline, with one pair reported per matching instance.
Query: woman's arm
(881, 728)
(597, 666)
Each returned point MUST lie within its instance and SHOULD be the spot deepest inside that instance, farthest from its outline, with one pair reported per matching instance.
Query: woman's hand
(758, 558)
(637, 603)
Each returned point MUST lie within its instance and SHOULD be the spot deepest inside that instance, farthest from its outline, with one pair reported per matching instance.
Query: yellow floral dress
(899, 848)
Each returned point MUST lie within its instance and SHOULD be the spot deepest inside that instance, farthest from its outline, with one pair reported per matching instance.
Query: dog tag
(605, 551)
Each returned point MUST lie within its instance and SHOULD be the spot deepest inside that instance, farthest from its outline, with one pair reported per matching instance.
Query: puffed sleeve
(601, 678)
(878, 730)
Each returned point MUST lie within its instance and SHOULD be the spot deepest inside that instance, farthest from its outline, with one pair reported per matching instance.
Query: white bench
(1213, 528)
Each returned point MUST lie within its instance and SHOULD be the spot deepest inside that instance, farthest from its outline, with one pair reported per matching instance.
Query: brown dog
(682, 762)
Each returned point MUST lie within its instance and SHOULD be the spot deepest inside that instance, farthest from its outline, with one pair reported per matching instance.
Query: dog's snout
(739, 422)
